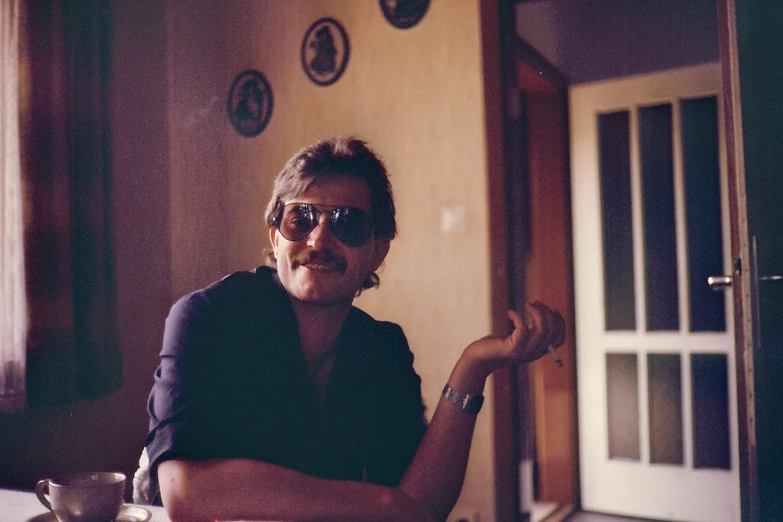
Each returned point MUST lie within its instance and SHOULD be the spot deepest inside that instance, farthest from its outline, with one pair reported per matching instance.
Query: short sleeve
(178, 403)
(190, 416)
(223, 388)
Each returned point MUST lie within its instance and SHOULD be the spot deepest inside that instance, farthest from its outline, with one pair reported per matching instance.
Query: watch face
(474, 404)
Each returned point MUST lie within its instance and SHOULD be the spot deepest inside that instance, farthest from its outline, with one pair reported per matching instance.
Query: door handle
(722, 282)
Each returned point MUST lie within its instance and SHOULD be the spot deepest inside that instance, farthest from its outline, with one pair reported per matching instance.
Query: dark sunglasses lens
(351, 226)
(297, 221)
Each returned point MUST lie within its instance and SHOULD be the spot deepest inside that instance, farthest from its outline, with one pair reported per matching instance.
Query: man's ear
(379, 252)
(273, 233)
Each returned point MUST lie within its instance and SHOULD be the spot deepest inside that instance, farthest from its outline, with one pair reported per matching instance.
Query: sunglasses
(350, 225)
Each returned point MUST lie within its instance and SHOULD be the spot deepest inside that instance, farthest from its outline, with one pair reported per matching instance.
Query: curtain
(13, 307)
(73, 348)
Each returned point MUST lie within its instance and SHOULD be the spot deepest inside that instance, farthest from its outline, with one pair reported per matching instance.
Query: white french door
(656, 383)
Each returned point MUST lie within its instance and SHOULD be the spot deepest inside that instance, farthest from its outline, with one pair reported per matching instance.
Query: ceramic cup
(83, 497)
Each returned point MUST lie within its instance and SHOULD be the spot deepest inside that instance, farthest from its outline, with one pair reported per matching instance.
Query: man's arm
(437, 472)
(428, 490)
(253, 490)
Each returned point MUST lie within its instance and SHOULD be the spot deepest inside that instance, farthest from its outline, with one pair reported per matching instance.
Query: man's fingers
(533, 318)
(520, 333)
(517, 319)
(544, 313)
(539, 327)
(555, 328)
(535, 329)
(553, 324)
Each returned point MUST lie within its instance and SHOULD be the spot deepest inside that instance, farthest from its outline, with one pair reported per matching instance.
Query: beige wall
(191, 192)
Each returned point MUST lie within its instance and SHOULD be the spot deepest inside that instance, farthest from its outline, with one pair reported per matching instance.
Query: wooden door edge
(740, 250)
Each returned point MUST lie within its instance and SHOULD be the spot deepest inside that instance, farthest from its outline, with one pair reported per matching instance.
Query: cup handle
(39, 492)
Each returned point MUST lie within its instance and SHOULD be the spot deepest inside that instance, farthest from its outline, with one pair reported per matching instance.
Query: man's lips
(322, 267)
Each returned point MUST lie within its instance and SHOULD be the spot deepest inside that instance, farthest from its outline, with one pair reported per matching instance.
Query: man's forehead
(339, 189)
(324, 182)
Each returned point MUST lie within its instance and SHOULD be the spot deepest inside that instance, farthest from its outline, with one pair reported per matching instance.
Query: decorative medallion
(325, 51)
(404, 14)
(250, 103)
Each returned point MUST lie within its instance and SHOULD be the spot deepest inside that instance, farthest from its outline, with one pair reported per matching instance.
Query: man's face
(320, 269)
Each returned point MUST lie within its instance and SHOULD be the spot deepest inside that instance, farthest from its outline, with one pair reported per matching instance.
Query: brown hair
(336, 157)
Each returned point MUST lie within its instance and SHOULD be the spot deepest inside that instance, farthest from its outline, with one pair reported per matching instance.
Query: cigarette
(553, 353)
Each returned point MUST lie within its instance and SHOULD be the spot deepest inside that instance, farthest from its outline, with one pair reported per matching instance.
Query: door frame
(511, 52)
(740, 254)
(544, 270)
(511, 66)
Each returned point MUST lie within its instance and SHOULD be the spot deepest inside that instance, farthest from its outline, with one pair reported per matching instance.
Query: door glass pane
(622, 382)
(709, 374)
(615, 161)
(665, 407)
(702, 207)
(660, 245)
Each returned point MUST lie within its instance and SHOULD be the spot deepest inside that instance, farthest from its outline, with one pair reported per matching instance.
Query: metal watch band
(466, 401)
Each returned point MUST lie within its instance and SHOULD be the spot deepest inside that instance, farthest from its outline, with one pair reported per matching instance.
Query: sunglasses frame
(332, 217)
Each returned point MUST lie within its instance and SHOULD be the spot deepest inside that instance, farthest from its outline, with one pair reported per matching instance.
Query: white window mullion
(637, 215)
(680, 219)
(683, 287)
(639, 278)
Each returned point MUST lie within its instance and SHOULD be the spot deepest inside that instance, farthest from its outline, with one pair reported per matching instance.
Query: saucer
(128, 513)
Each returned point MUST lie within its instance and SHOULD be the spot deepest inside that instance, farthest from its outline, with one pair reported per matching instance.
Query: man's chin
(323, 300)
(320, 295)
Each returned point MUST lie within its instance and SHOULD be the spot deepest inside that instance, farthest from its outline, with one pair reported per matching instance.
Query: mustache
(321, 257)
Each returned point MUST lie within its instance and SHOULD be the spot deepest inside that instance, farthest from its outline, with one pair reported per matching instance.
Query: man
(276, 399)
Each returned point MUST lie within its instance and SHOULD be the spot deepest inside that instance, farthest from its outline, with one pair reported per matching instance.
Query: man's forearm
(244, 489)
(436, 474)
(438, 469)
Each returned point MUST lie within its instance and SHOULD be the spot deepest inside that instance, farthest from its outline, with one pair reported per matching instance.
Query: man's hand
(539, 328)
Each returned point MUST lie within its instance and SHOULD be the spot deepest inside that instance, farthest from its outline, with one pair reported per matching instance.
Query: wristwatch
(466, 401)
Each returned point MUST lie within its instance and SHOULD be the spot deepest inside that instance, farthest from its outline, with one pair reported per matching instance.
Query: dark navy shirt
(233, 383)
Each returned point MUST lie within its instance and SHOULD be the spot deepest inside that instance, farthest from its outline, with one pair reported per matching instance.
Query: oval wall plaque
(250, 103)
(325, 51)
(404, 14)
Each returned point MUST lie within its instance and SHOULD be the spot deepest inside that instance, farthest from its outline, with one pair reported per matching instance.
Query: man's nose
(321, 236)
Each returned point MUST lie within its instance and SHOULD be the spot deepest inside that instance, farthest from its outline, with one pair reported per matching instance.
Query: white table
(19, 506)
